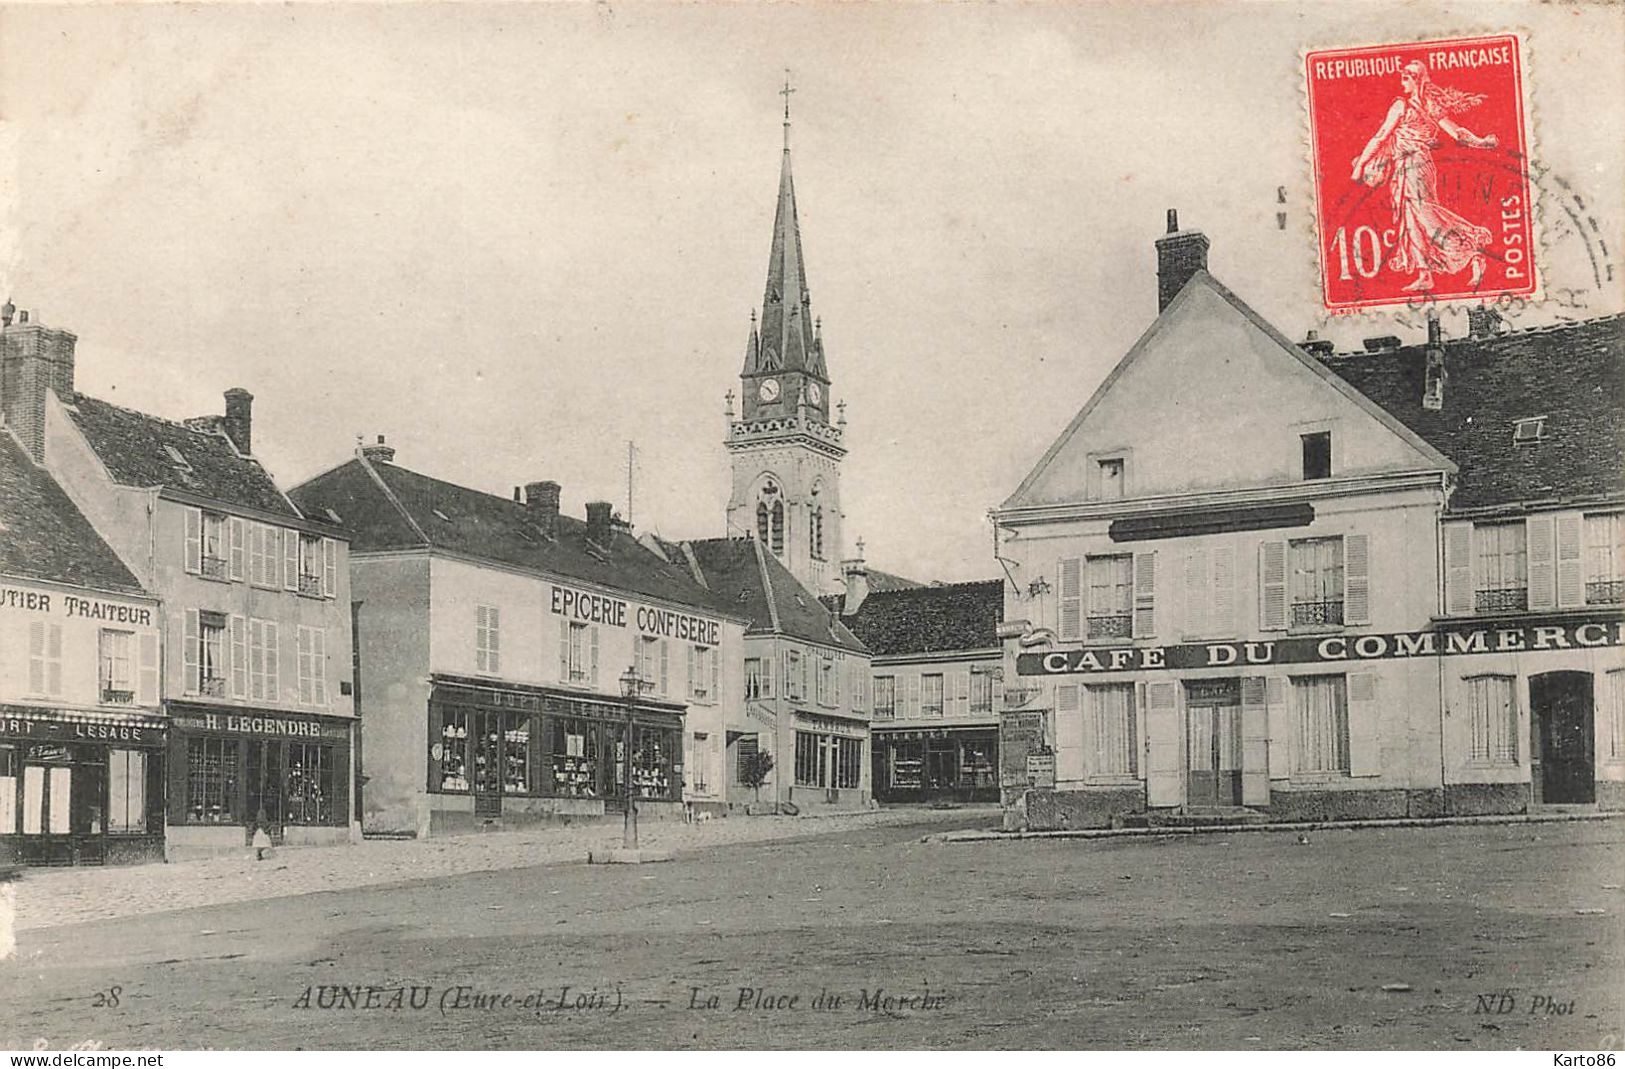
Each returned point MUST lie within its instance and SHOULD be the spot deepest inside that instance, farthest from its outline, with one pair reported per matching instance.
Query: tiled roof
(879, 580)
(759, 585)
(929, 619)
(142, 450)
(1572, 374)
(384, 506)
(43, 535)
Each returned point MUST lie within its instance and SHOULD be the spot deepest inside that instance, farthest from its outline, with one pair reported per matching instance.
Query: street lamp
(632, 685)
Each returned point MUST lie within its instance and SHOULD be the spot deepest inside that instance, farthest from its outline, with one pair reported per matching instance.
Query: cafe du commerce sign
(1325, 649)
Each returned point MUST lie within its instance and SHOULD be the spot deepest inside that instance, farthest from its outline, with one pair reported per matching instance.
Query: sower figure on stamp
(1429, 237)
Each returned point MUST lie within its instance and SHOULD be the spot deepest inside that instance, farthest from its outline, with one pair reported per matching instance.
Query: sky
(512, 238)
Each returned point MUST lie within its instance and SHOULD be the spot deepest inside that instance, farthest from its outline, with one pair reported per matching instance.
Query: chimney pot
(22, 317)
(1483, 322)
(8, 312)
(542, 498)
(380, 451)
(1383, 344)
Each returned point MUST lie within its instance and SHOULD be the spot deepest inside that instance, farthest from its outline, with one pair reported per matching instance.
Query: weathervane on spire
(785, 93)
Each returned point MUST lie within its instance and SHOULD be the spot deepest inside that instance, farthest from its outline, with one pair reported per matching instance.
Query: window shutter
(147, 688)
(716, 693)
(189, 651)
(1540, 539)
(1070, 572)
(1571, 591)
(1280, 727)
(1357, 579)
(665, 666)
(306, 673)
(330, 568)
(36, 657)
(53, 659)
(290, 557)
(1139, 740)
(1068, 734)
(493, 639)
(690, 650)
(1365, 735)
(273, 650)
(594, 669)
(914, 696)
(239, 657)
(194, 540)
(1458, 568)
(1197, 602)
(1145, 594)
(1255, 742)
(1224, 591)
(1272, 586)
(564, 650)
(238, 548)
(318, 664)
(1163, 781)
(964, 693)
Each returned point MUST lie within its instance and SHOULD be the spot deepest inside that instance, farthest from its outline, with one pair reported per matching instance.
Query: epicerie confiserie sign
(1326, 649)
(72, 605)
(661, 623)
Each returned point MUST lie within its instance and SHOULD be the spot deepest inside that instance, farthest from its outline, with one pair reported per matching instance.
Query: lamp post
(631, 687)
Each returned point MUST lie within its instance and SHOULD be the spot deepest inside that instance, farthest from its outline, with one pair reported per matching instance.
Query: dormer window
(1110, 473)
(175, 455)
(1317, 455)
(1529, 431)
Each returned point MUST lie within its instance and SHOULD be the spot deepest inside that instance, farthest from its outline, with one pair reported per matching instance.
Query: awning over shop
(134, 727)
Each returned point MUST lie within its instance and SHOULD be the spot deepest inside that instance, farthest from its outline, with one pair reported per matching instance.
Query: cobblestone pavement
(50, 897)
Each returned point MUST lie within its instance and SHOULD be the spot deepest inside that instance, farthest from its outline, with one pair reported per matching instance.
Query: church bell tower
(784, 450)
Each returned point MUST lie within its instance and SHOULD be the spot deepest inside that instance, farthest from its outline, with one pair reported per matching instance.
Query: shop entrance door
(941, 768)
(1564, 770)
(487, 781)
(48, 791)
(264, 788)
(1213, 752)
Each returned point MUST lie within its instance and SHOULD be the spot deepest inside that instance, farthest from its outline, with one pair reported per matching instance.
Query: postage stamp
(1420, 158)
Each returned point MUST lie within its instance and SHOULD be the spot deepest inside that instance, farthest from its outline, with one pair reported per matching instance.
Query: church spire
(787, 340)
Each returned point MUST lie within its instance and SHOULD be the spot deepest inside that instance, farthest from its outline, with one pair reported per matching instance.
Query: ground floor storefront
(830, 762)
(513, 754)
(948, 764)
(81, 787)
(233, 771)
(1458, 721)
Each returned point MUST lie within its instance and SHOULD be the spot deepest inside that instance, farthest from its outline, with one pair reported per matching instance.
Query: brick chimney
(1435, 374)
(543, 501)
(1483, 322)
(598, 513)
(239, 421)
(1180, 254)
(34, 359)
(379, 452)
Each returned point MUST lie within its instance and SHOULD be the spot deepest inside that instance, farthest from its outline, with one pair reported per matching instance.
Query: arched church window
(777, 533)
(761, 522)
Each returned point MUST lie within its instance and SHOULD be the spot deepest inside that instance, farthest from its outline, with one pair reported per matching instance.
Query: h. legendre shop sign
(1325, 649)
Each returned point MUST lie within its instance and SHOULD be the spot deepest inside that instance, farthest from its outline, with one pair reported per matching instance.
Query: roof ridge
(767, 583)
(389, 495)
(179, 424)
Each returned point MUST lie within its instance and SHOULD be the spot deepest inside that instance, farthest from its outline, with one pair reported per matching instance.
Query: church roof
(742, 574)
(788, 337)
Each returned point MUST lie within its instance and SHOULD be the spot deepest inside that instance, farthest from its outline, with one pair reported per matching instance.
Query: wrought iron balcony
(113, 696)
(1605, 592)
(933, 712)
(1114, 625)
(1317, 613)
(885, 712)
(214, 567)
(1502, 599)
(310, 585)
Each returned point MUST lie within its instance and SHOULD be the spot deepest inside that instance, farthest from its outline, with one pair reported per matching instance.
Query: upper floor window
(981, 691)
(264, 673)
(312, 643)
(311, 564)
(1317, 455)
(1604, 583)
(117, 668)
(651, 660)
(578, 653)
(265, 555)
(1313, 583)
(1317, 582)
(758, 678)
(885, 697)
(702, 673)
(931, 694)
(795, 675)
(1115, 594)
(826, 681)
(215, 546)
(44, 658)
(1502, 567)
(1110, 596)
(1111, 474)
(487, 639)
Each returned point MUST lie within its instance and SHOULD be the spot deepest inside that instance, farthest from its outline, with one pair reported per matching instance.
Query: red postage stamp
(1421, 172)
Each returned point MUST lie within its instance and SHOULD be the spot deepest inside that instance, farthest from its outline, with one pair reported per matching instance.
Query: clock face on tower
(769, 390)
(815, 393)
